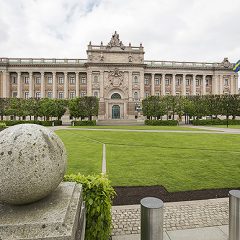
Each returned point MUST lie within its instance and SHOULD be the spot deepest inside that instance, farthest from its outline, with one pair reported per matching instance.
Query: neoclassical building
(115, 73)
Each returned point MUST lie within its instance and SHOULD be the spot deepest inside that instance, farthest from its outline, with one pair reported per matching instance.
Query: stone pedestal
(60, 216)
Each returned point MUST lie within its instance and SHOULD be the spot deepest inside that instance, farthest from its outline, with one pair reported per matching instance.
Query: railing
(184, 64)
(42, 61)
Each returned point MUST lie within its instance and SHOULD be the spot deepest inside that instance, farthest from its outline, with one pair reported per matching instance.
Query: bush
(215, 122)
(43, 123)
(98, 195)
(84, 123)
(161, 122)
(2, 125)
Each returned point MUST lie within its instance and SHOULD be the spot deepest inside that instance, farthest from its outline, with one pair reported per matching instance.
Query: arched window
(135, 95)
(135, 80)
(116, 96)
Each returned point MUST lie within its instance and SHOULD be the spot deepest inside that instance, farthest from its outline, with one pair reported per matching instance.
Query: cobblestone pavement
(177, 215)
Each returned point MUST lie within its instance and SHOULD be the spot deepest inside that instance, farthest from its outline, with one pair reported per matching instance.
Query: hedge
(215, 122)
(2, 125)
(84, 123)
(98, 195)
(161, 122)
(43, 123)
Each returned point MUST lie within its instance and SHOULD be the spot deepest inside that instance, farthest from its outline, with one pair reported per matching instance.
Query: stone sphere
(33, 161)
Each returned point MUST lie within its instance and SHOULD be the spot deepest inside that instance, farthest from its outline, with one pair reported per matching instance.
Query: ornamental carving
(226, 63)
(115, 42)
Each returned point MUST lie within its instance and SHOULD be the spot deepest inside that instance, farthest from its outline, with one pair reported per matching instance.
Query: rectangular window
(60, 95)
(146, 94)
(14, 94)
(49, 94)
(83, 93)
(38, 80)
(158, 94)
(135, 79)
(37, 94)
(197, 82)
(135, 96)
(72, 80)
(26, 95)
(14, 80)
(178, 82)
(146, 81)
(26, 80)
(83, 80)
(187, 82)
(207, 82)
(50, 80)
(95, 94)
(226, 82)
(72, 94)
(167, 82)
(60, 80)
(95, 79)
(157, 81)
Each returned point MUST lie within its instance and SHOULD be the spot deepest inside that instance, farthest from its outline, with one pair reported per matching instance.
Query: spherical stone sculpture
(33, 161)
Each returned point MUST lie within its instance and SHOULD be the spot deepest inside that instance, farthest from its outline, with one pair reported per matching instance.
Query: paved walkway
(182, 220)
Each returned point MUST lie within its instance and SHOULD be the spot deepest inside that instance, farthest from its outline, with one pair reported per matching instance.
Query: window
(135, 79)
(116, 96)
(83, 93)
(197, 82)
(167, 82)
(95, 79)
(37, 94)
(178, 82)
(187, 94)
(26, 95)
(72, 94)
(177, 93)
(83, 80)
(95, 94)
(49, 80)
(146, 81)
(187, 82)
(226, 82)
(135, 95)
(26, 80)
(60, 80)
(158, 94)
(49, 94)
(157, 81)
(14, 94)
(60, 95)
(38, 80)
(14, 80)
(72, 80)
(146, 94)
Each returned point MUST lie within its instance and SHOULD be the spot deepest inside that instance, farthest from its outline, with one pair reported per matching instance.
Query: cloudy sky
(181, 30)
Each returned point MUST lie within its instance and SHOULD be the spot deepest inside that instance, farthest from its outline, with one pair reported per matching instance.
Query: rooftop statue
(115, 41)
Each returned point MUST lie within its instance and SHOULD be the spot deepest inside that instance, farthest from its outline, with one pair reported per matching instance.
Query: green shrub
(43, 123)
(2, 125)
(215, 122)
(84, 123)
(161, 122)
(98, 195)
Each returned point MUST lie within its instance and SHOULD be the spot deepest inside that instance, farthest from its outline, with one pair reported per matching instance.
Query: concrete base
(60, 216)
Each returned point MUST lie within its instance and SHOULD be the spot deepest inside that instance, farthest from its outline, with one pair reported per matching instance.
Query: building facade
(118, 75)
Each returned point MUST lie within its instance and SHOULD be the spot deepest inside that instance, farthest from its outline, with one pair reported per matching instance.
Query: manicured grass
(174, 128)
(178, 161)
(225, 126)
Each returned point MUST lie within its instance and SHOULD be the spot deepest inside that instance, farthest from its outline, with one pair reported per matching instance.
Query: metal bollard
(234, 215)
(151, 219)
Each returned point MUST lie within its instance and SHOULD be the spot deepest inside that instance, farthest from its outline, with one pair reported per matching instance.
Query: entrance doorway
(115, 112)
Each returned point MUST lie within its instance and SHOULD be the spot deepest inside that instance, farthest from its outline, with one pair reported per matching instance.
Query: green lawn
(178, 161)
(225, 126)
(175, 128)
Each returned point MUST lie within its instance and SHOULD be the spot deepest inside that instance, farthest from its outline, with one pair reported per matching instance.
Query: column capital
(65, 73)
(30, 73)
(42, 73)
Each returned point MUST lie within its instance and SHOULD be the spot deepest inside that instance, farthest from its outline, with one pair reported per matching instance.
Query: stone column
(141, 86)
(220, 84)
(153, 85)
(89, 84)
(204, 85)
(65, 85)
(236, 84)
(130, 80)
(184, 85)
(194, 84)
(5, 88)
(163, 84)
(125, 110)
(19, 85)
(54, 85)
(77, 84)
(232, 85)
(42, 85)
(174, 84)
(31, 91)
(101, 85)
